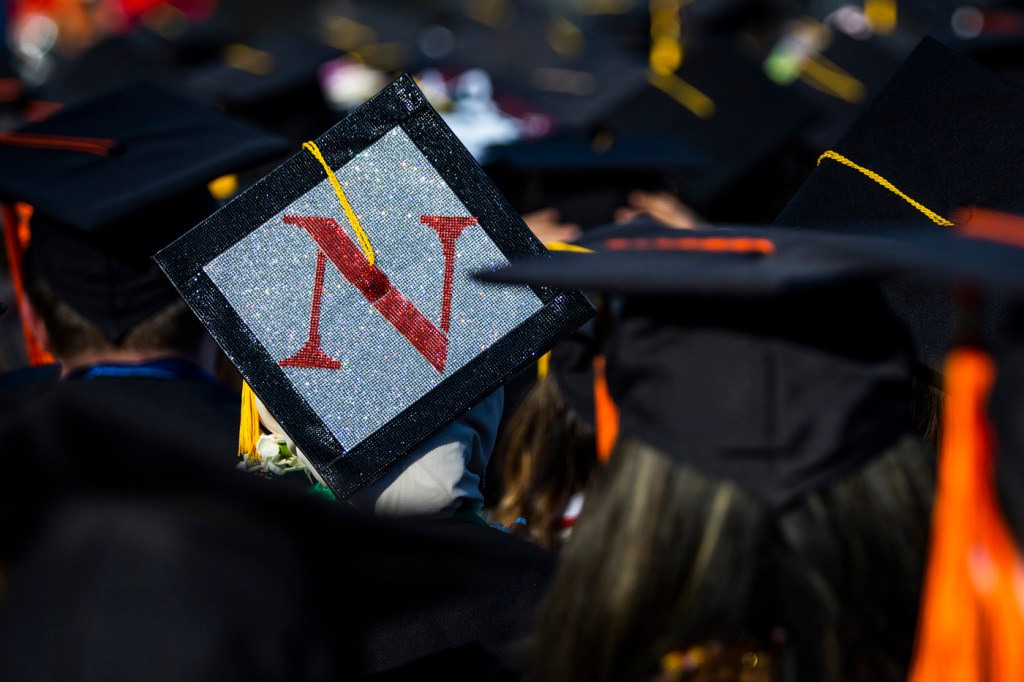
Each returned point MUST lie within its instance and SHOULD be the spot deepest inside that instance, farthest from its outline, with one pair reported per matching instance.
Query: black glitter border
(399, 104)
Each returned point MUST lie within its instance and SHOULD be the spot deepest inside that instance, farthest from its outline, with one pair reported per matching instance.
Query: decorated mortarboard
(895, 164)
(759, 355)
(112, 180)
(339, 286)
(588, 177)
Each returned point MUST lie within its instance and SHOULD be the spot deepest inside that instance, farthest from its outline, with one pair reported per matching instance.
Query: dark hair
(172, 329)
(865, 536)
(549, 453)
(926, 410)
(665, 558)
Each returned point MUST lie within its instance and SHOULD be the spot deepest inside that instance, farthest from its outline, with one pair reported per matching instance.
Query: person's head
(548, 452)
(766, 451)
(670, 564)
(109, 182)
(74, 340)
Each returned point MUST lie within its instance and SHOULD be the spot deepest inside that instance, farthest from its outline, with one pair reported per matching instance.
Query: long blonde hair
(665, 558)
(548, 455)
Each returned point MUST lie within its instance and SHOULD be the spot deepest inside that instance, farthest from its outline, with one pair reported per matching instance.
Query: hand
(662, 206)
(546, 227)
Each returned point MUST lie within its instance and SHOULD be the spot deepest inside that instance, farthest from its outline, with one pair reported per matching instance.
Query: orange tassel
(606, 414)
(971, 623)
(17, 235)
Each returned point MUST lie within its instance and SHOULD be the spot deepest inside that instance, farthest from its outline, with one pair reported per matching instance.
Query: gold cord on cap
(932, 215)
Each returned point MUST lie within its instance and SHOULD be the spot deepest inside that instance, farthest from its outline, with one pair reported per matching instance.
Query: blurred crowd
(785, 446)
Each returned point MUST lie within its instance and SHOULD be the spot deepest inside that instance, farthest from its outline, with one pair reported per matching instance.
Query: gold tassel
(249, 426)
(544, 365)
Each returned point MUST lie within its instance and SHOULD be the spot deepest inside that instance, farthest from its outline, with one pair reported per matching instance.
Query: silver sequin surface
(268, 279)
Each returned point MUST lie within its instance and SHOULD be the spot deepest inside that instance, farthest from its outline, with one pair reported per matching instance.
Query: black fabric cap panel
(163, 145)
(647, 258)
(778, 395)
(760, 355)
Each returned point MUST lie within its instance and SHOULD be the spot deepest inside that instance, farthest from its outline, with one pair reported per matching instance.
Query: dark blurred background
(723, 106)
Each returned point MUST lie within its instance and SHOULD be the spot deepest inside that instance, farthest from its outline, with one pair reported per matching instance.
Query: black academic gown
(67, 428)
(138, 555)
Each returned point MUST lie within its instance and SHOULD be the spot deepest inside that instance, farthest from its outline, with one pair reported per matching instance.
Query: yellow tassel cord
(249, 427)
(822, 74)
(562, 246)
(699, 104)
(666, 56)
(972, 623)
(544, 366)
(353, 220)
(932, 215)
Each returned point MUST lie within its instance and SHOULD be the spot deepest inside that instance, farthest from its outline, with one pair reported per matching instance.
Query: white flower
(269, 447)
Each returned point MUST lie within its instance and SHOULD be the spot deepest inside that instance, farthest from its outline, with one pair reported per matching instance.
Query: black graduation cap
(723, 105)
(560, 64)
(897, 164)
(588, 177)
(834, 72)
(760, 355)
(339, 286)
(572, 366)
(272, 82)
(390, 34)
(111, 181)
(116, 61)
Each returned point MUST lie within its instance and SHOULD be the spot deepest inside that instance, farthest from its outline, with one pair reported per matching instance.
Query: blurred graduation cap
(895, 164)
(391, 35)
(339, 286)
(116, 61)
(559, 65)
(834, 72)
(588, 177)
(784, 330)
(721, 104)
(13, 94)
(732, 16)
(111, 181)
(271, 82)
